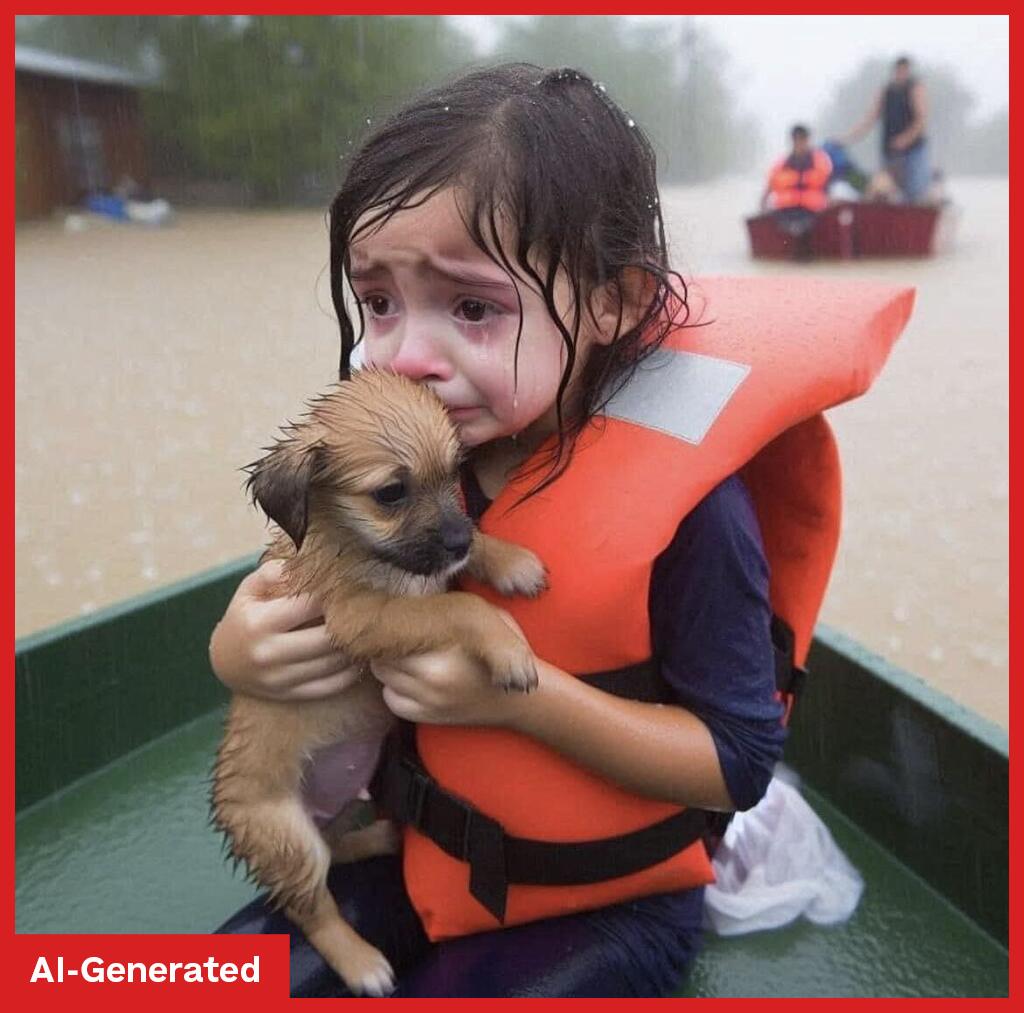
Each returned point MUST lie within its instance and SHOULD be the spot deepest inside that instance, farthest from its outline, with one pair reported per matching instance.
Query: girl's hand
(276, 647)
(447, 688)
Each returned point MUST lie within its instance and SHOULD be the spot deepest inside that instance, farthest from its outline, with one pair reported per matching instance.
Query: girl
(505, 245)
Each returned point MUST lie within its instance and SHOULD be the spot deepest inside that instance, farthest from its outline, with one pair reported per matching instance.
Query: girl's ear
(628, 294)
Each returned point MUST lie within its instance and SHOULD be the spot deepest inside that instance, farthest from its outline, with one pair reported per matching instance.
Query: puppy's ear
(279, 483)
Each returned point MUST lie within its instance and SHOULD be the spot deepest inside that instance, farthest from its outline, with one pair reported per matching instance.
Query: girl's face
(438, 310)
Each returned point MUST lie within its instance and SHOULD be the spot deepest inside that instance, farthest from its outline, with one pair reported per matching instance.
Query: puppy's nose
(456, 535)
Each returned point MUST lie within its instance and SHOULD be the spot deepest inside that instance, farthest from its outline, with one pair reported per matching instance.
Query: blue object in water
(106, 204)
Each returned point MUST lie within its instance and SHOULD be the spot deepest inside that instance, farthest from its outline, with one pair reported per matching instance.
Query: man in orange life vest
(796, 184)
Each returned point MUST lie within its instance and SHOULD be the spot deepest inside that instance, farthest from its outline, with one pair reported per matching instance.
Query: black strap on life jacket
(407, 793)
(644, 682)
(789, 676)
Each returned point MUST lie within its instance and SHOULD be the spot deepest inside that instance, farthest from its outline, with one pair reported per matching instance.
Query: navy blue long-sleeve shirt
(711, 634)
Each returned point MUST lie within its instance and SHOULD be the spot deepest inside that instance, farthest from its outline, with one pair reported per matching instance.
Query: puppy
(366, 494)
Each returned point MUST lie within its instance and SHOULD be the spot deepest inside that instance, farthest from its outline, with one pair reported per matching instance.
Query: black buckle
(797, 678)
(789, 676)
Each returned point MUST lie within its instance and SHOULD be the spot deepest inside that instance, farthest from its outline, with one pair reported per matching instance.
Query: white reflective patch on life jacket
(680, 393)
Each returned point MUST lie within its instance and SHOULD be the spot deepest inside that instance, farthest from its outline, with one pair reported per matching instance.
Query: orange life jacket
(805, 188)
(743, 393)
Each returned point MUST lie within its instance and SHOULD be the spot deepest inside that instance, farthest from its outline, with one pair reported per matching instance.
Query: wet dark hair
(549, 153)
(799, 130)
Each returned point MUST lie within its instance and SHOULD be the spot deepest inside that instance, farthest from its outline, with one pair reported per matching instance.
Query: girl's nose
(419, 357)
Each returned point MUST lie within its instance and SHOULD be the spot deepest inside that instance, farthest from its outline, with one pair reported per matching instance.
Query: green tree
(275, 102)
(118, 40)
(271, 102)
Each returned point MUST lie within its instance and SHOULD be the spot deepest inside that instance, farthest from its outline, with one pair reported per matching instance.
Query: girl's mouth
(463, 414)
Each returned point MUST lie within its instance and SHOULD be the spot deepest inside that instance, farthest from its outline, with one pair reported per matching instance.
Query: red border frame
(20, 952)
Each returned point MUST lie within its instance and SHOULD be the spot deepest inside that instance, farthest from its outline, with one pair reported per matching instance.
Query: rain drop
(630, 122)
(446, 108)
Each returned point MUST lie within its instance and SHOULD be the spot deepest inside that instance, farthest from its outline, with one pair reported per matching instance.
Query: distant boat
(847, 229)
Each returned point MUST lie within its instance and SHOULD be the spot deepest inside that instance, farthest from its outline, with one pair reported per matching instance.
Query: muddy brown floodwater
(152, 364)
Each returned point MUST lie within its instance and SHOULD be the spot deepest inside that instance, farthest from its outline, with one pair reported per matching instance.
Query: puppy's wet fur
(365, 491)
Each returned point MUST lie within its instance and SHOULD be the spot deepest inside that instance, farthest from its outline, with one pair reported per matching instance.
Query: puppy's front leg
(373, 626)
(508, 568)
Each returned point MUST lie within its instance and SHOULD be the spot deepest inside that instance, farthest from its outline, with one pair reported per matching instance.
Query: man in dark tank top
(902, 108)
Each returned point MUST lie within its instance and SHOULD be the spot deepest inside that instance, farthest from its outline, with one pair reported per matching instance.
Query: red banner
(146, 972)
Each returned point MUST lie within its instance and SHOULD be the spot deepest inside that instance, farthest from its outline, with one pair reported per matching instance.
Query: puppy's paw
(522, 573)
(515, 670)
(367, 972)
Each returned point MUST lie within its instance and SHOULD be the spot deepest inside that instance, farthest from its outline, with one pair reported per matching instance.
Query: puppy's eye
(390, 494)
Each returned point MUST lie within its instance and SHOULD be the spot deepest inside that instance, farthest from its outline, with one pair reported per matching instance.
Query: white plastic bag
(777, 862)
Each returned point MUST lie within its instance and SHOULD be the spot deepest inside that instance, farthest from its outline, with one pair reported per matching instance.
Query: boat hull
(847, 230)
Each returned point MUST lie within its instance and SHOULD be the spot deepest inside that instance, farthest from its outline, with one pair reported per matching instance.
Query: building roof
(39, 61)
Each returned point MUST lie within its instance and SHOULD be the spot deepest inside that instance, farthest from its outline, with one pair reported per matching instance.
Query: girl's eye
(391, 494)
(379, 305)
(473, 310)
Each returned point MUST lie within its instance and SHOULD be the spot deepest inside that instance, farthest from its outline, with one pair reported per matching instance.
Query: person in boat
(902, 108)
(796, 189)
(504, 242)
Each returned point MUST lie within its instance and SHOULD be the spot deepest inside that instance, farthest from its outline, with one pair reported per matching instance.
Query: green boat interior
(118, 717)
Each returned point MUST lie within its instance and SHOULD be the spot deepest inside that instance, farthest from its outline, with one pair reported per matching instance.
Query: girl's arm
(658, 751)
